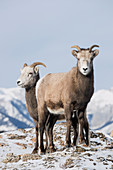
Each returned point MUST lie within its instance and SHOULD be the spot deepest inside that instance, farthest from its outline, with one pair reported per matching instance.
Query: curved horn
(37, 63)
(93, 47)
(77, 47)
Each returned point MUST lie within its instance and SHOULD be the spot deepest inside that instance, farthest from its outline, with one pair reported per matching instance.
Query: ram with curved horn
(28, 79)
(37, 63)
(68, 92)
(77, 47)
(90, 49)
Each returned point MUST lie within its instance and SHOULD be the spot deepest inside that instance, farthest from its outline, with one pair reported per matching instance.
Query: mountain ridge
(14, 115)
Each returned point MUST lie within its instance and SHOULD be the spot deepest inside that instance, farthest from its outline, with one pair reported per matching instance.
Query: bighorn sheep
(28, 79)
(66, 92)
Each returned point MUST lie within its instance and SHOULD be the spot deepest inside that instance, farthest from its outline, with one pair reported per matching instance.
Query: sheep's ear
(36, 70)
(95, 53)
(74, 53)
(25, 65)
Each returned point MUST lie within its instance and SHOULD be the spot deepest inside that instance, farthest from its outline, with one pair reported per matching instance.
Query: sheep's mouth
(85, 72)
(21, 85)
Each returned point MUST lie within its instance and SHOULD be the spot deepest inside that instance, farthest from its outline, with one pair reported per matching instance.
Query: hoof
(68, 145)
(35, 151)
(82, 141)
(87, 143)
(75, 143)
(51, 150)
(42, 152)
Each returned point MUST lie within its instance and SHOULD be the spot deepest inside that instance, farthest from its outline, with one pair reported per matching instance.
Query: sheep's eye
(78, 58)
(30, 74)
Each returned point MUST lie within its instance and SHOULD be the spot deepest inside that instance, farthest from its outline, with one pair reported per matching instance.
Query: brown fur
(31, 105)
(71, 91)
(76, 96)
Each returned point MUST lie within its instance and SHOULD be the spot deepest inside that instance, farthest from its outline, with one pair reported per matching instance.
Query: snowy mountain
(13, 113)
(100, 111)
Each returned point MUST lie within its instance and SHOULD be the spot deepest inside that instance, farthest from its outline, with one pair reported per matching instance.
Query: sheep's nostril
(85, 69)
(18, 82)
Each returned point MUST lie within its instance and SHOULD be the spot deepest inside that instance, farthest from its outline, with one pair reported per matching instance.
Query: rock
(33, 139)
(93, 135)
(88, 154)
(27, 157)
(15, 136)
(80, 149)
(111, 134)
(111, 166)
(105, 163)
(101, 136)
(93, 149)
(95, 143)
(10, 157)
(69, 163)
(108, 147)
(24, 146)
(61, 142)
(3, 144)
(22, 130)
(101, 159)
(111, 160)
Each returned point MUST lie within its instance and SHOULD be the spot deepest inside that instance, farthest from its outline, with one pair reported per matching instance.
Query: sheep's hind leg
(42, 121)
(68, 116)
(49, 128)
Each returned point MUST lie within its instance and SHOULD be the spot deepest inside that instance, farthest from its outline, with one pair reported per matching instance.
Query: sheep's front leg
(36, 144)
(86, 127)
(76, 129)
(81, 127)
(68, 115)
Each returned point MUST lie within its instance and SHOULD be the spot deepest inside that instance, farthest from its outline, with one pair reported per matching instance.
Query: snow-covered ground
(16, 144)
(16, 147)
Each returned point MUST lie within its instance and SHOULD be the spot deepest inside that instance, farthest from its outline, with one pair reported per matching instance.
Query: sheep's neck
(85, 84)
(31, 102)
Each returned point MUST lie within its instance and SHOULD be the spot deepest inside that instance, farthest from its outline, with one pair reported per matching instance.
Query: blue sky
(44, 30)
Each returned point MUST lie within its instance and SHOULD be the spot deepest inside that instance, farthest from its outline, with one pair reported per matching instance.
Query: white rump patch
(56, 111)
